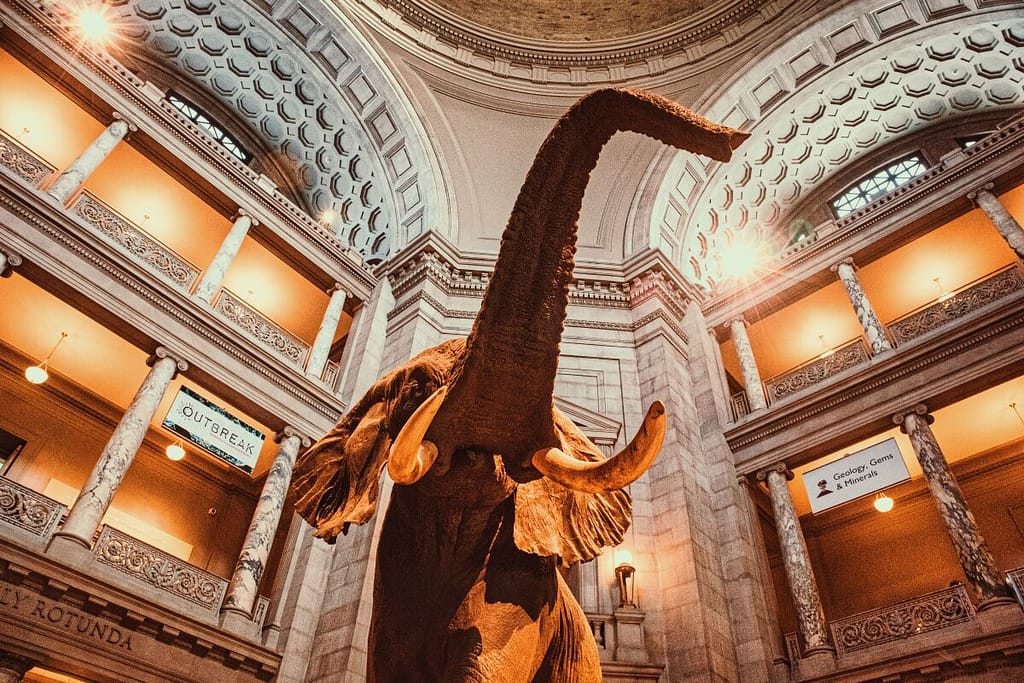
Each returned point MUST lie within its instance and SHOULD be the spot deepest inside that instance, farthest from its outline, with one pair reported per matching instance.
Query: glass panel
(877, 184)
(212, 128)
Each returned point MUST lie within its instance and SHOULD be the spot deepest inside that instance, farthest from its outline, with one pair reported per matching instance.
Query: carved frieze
(819, 370)
(1000, 285)
(24, 508)
(22, 162)
(906, 619)
(135, 241)
(261, 328)
(156, 568)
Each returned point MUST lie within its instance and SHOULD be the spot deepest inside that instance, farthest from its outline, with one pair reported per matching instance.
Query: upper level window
(214, 129)
(880, 182)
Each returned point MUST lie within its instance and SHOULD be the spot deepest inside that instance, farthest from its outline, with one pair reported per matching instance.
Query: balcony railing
(23, 163)
(818, 370)
(27, 510)
(263, 329)
(907, 619)
(974, 296)
(133, 239)
(156, 568)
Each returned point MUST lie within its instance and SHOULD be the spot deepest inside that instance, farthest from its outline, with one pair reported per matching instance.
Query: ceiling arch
(305, 85)
(815, 107)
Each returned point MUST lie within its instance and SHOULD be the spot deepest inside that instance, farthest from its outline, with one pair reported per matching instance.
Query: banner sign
(214, 429)
(855, 475)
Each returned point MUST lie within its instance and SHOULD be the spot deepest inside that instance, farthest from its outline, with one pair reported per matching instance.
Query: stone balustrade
(133, 239)
(261, 328)
(975, 296)
(23, 163)
(903, 620)
(818, 370)
(27, 510)
(156, 568)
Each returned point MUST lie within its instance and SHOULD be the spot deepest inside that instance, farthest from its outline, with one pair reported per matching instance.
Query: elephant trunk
(501, 394)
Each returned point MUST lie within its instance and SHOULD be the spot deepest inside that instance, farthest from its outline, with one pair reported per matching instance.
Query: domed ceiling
(575, 20)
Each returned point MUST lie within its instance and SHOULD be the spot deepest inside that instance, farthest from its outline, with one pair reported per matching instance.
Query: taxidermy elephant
(495, 488)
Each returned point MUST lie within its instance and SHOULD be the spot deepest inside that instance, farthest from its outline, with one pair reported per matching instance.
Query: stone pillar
(869, 322)
(325, 335)
(748, 366)
(213, 276)
(88, 510)
(82, 167)
(797, 562)
(13, 666)
(1007, 226)
(245, 581)
(975, 558)
(8, 262)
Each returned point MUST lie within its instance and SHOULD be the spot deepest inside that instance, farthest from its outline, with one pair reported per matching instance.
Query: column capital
(12, 261)
(919, 409)
(289, 431)
(738, 319)
(245, 212)
(848, 261)
(973, 194)
(779, 467)
(161, 352)
(118, 116)
(337, 287)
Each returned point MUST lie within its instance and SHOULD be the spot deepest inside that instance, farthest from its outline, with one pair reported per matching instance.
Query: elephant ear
(552, 520)
(336, 483)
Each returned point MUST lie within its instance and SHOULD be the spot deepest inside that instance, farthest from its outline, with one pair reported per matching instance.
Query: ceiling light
(94, 24)
(37, 374)
(176, 450)
(883, 503)
(828, 351)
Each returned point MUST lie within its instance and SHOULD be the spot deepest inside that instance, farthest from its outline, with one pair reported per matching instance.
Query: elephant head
(478, 413)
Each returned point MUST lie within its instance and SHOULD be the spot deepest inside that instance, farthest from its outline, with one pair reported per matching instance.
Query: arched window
(211, 127)
(880, 182)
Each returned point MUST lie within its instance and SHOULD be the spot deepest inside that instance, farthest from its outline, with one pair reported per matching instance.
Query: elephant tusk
(614, 473)
(411, 456)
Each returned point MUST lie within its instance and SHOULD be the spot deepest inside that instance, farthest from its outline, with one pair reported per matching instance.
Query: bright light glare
(94, 24)
(36, 374)
(623, 556)
(883, 503)
(175, 451)
(740, 260)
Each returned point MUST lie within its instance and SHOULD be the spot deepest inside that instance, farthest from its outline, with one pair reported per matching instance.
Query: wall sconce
(37, 374)
(626, 574)
(828, 351)
(176, 450)
(883, 503)
(944, 294)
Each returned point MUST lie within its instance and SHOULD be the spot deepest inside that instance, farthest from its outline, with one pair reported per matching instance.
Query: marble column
(869, 322)
(1006, 224)
(748, 366)
(13, 666)
(8, 262)
(797, 562)
(245, 581)
(213, 276)
(971, 549)
(325, 335)
(92, 503)
(87, 162)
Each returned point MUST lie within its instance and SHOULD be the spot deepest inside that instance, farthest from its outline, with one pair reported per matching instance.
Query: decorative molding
(135, 241)
(818, 370)
(27, 510)
(156, 568)
(261, 328)
(22, 162)
(895, 623)
(988, 290)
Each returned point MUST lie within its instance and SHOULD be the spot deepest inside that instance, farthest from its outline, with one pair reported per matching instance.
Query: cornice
(890, 377)
(682, 49)
(40, 213)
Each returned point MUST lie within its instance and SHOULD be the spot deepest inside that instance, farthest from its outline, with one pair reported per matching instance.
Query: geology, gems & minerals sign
(855, 475)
